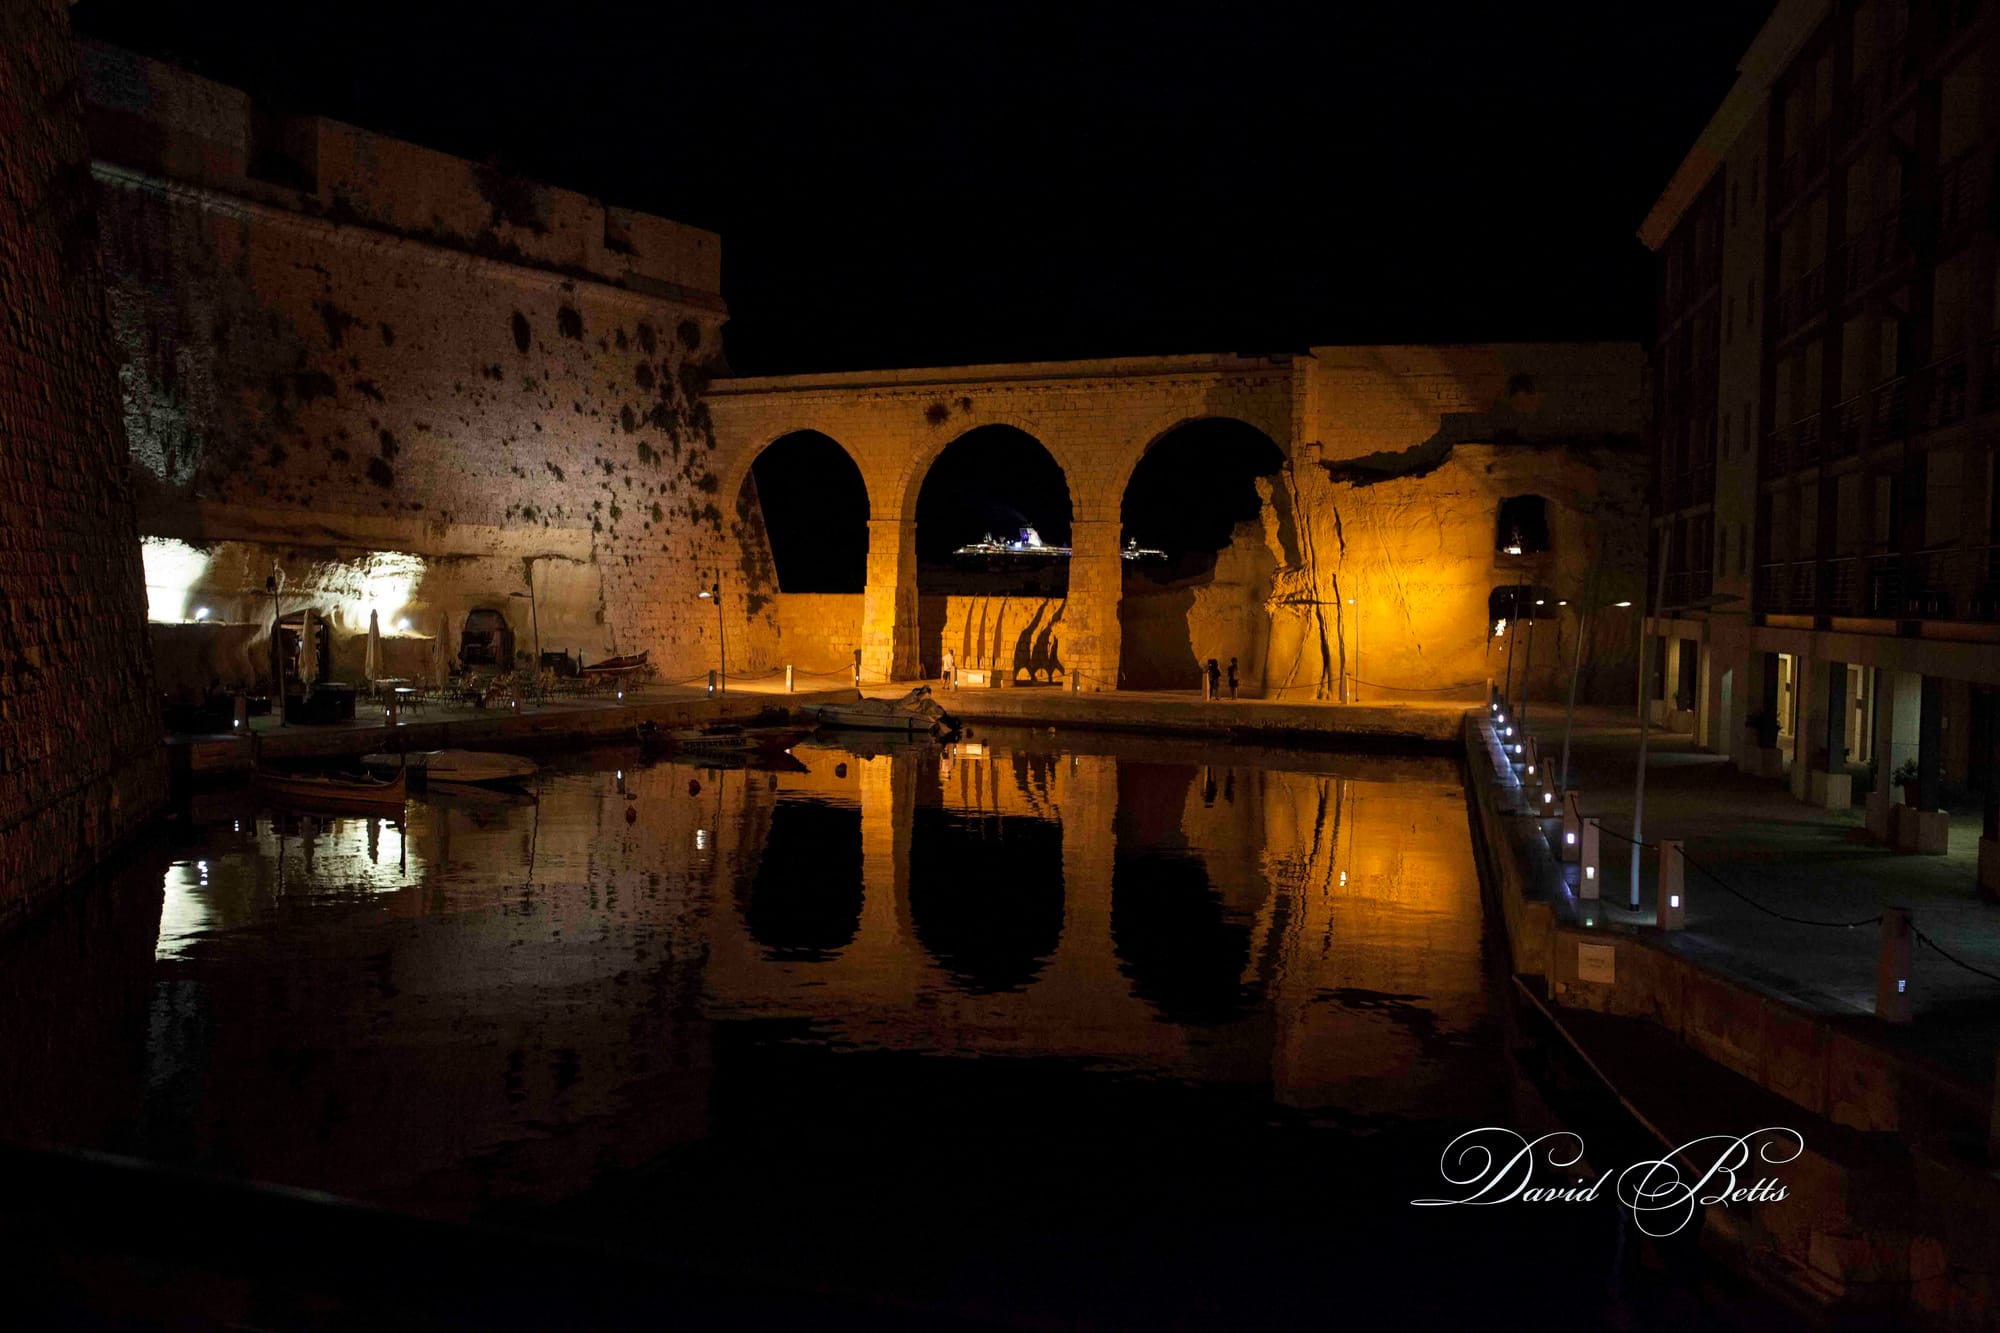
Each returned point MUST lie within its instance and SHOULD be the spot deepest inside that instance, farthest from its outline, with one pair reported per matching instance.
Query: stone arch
(1119, 475)
(834, 520)
(737, 469)
(923, 455)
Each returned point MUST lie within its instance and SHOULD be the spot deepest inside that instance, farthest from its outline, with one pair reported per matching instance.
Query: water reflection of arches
(802, 901)
(1172, 934)
(986, 896)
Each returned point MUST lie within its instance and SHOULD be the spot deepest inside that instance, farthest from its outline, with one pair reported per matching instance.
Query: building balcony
(1963, 186)
(1686, 587)
(1940, 395)
(1958, 583)
(1801, 302)
(1879, 248)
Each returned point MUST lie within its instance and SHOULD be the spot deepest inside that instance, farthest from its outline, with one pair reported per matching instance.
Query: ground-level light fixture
(201, 613)
(1621, 603)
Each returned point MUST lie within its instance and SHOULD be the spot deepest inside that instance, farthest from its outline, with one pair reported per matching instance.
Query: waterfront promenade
(1786, 857)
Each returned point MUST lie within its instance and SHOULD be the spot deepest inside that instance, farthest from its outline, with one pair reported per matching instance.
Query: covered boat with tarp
(916, 713)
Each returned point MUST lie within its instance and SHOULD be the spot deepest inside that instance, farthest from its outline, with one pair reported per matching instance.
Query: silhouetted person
(1232, 678)
(1212, 680)
(950, 681)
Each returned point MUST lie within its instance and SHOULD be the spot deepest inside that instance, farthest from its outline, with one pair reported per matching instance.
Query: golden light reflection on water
(530, 988)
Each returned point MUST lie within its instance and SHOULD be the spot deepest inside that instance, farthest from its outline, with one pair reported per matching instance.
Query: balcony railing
(1944, 385)
(1959, 583)
(1687, 586)
(1962, 188)
(1942, 394)
(1877, 248)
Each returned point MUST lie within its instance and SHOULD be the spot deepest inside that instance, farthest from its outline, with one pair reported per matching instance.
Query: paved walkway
(1797, 860)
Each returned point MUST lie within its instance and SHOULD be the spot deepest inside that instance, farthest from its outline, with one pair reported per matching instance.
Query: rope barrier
(1795, 920)
(1950, 957)
(1421, 689)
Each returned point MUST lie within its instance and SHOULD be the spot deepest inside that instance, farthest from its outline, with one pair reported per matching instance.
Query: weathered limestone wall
(80, 758)
(341, 353)
(816, 632)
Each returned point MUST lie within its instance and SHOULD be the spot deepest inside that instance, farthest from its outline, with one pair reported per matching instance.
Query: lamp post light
(713, 593)
(535, 619)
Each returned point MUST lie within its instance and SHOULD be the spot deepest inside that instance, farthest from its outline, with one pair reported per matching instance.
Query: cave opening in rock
(814, 505)
(1193, 499)
(1522, 525)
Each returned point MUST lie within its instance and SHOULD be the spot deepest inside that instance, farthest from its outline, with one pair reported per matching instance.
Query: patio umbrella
(371, 664)
(308, 650)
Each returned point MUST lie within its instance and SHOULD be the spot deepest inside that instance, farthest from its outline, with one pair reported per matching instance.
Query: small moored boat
(473, 767)
(722, 737)
(915, 713)
(335, 791)
(630, 664)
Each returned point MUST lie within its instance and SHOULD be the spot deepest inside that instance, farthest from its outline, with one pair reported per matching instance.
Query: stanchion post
(1670, 911)
(1572, 813)
(1893, 1001)
(1591, 859)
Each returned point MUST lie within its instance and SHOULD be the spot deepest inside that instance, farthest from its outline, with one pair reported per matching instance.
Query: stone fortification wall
(81, 763)
(405, 382)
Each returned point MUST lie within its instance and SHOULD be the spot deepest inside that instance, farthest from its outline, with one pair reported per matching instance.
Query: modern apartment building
(1826, 584)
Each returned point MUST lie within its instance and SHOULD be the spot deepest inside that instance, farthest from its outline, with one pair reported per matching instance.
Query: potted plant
(1905, 778)
(1766, 728)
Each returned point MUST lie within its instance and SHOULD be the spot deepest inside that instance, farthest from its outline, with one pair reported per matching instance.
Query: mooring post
(1670, 910)
(1892, 968)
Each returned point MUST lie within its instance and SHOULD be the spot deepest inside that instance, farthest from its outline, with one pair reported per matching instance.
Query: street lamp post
(713, 593)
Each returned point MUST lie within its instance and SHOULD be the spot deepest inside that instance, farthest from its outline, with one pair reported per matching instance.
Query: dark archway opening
(993, 485)
(1179, 946)
(993, 535)
(986, 896)
(1180, 513)
(802, 903)
(815, 508)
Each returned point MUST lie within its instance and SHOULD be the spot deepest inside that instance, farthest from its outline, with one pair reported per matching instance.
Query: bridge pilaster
(889, 602)
(1090, 639)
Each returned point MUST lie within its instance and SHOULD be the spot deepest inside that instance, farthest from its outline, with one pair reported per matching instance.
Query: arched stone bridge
(1096, 418)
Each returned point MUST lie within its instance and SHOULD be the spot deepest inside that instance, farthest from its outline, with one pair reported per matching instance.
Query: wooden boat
(627, 665)
(722, 737)
(472, 767)
(916, 713)
(335, 791)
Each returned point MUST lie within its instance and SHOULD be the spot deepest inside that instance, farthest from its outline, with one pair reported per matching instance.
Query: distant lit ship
(1030, 543)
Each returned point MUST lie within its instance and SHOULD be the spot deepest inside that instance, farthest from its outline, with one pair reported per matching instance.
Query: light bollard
(1531, 756)
(711, 684)
(1572, 828)
(1076, 682)
(788, 678)
(1893, 1001)
(1591, 859)
(1670, 911)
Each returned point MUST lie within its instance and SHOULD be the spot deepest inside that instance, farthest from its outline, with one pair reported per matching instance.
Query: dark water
(1128, 1034)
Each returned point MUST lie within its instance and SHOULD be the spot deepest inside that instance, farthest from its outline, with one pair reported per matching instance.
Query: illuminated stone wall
(1398, 459)
(340, 352)
(80, 758)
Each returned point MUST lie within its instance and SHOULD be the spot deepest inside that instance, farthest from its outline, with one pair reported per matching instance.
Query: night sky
(954, 182)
